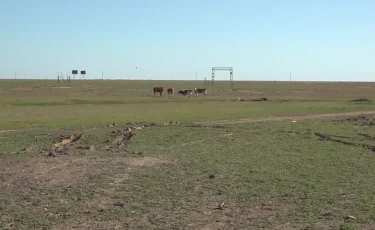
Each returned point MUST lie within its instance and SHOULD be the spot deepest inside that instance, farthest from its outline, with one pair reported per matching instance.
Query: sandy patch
(47, 171)
(146, 161)
(7, 131)
(295, 91)
(62, 87)
(25, 89)
(249, 91)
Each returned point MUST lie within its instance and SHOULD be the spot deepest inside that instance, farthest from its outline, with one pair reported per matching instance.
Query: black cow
(186, 92)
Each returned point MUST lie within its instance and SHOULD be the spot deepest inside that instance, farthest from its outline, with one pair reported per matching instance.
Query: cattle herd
(183, 92)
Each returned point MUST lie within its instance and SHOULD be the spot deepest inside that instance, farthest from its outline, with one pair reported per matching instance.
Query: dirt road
(283, 118)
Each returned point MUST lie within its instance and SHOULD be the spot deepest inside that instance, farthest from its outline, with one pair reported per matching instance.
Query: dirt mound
(368, 137)
(260, 99)
(113, 124)
(241, 99)
(67, 139)
(358, 118)
(140, 125)
(121, 140)
(326, 137)
(362, 100)
(90, 148)
(335, 138)
(363, 120)
(63, 146)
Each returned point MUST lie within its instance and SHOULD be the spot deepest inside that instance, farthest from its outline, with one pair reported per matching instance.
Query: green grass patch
(269, 175)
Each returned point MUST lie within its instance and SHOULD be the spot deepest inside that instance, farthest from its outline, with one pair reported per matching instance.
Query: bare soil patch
(65, 171)
(92, 224)
(47, 171)
(25, 89)
(250, 91)
(271, 210)
(146, 161)
(294, 91)
(62, 87)
(109, 196)
(7, 131)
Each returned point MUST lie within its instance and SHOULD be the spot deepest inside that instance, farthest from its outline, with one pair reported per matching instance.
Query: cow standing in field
(189, 92)
(158, 90)
(197, 91)
(186, 92)
(170, 91)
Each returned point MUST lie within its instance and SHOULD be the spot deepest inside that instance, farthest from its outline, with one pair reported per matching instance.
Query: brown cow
(170, 91)
(159, 89)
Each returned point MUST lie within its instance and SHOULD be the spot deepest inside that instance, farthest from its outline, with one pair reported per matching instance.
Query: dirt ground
(180, 175)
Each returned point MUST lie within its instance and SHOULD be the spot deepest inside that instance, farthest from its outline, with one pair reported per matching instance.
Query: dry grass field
(110, 155)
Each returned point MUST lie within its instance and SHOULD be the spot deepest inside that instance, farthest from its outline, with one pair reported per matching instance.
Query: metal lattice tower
(222, 68)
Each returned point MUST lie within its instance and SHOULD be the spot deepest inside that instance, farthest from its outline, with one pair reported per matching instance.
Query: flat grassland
(34, 104)
(304, 159)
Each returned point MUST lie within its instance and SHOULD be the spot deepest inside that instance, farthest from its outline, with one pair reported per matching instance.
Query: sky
(320, 40)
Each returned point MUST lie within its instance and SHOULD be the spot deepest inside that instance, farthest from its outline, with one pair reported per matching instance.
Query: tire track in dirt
(284, 118)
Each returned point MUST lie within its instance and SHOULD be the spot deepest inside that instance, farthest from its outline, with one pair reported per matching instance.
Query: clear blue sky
(171, 39)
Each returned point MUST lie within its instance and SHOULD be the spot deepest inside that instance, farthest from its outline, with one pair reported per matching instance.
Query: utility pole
(290, 77)
(15, 75)
(102, 75)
